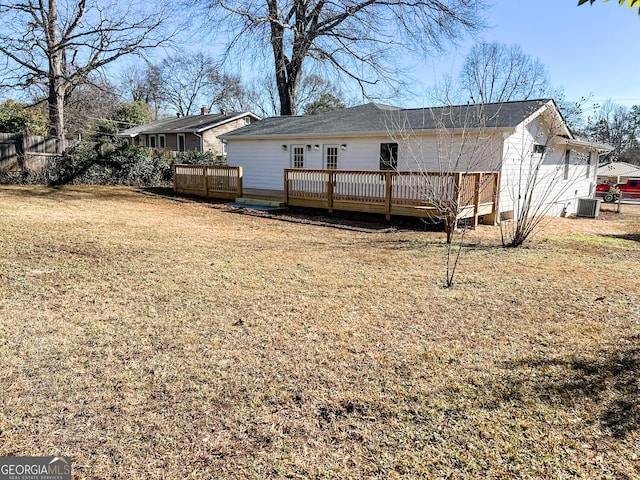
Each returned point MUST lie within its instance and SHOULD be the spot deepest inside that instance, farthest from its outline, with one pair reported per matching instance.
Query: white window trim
(162, 140)
(325, 159)
(293, 155)
(184, 142)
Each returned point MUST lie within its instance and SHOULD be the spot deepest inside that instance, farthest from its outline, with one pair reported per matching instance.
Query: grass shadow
(611, 378)
(634, 237)
(66, 192)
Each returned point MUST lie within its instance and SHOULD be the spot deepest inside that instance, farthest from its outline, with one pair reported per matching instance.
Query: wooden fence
(26, 152)
(394, 193)
(208, 181)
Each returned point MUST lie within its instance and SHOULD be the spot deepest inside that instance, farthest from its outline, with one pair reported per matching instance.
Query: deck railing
(424, 194)
(208, 181)
(393, 193)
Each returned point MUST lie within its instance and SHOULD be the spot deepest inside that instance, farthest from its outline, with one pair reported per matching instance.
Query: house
(617, 172)
(513, 139)
(192, 132)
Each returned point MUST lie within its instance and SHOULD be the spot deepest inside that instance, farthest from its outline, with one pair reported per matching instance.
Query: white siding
(264, 161)
(553, 193)
(451, 153)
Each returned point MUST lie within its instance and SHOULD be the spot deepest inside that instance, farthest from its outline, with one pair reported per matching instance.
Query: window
(539, 149)
(162, 141)
(388, 156)
(181, 144)
(567, 160)
(588, 173)
(297, 155)
(152, 141)
(331, 157)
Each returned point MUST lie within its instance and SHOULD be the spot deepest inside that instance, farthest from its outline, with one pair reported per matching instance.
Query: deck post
(239, 185)
(286, 186)
(388, 178)
(477, 177)
(330, 191)
(493, 218)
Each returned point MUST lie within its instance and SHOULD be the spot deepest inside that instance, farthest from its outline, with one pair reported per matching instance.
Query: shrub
(76, 160)
(124, 165)
(108, 164)
(195, 157)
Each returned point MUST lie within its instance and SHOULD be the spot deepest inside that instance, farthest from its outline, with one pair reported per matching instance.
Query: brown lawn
(151, 337)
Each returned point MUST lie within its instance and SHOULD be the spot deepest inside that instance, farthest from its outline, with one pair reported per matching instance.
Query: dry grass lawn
(151, 337)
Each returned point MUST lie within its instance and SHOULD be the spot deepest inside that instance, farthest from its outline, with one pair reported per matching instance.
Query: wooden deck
(425, 194)
(474, 194)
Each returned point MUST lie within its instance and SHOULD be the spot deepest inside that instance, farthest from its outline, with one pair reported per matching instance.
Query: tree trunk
(56, 112)
(288, 72)
(56, 88)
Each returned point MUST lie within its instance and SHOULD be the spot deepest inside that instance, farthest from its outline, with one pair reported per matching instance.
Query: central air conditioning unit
(588, 207)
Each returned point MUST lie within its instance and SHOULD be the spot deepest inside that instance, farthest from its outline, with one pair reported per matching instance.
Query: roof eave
(600, 147)
(231, 119)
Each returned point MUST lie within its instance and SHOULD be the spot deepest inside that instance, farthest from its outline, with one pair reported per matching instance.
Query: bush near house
(89, 163)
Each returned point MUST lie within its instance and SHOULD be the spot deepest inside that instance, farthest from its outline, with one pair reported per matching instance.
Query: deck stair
(259, 202)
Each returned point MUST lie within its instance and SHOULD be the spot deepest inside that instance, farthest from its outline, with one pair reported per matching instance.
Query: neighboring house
(192, 132)
(507, 138)
(617, 172)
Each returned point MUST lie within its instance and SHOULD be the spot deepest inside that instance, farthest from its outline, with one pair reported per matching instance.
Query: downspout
(201, 141)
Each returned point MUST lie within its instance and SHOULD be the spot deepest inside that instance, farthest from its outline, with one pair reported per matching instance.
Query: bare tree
(357, 39)
(545, 163)
(60, 43)
(454, 156)
(617, 126)
(183, 84)
(188, 82)
(87, 104)
(141, 82)
(496, 72)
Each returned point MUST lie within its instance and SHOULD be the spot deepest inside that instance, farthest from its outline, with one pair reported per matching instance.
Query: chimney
(204, 111)
(223, 112)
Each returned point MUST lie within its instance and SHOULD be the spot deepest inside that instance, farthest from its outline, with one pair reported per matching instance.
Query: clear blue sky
(588, 50)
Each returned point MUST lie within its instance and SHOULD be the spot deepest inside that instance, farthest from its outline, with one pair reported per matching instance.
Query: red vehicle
(611, 193)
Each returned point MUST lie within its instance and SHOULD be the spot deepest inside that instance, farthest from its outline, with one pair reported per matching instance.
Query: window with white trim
(297, 156)
(181, 142)
(567, 162)
(331, 157)
(162, 141)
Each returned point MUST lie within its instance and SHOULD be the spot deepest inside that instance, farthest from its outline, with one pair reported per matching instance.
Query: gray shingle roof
(191, 123)
(375, 118)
